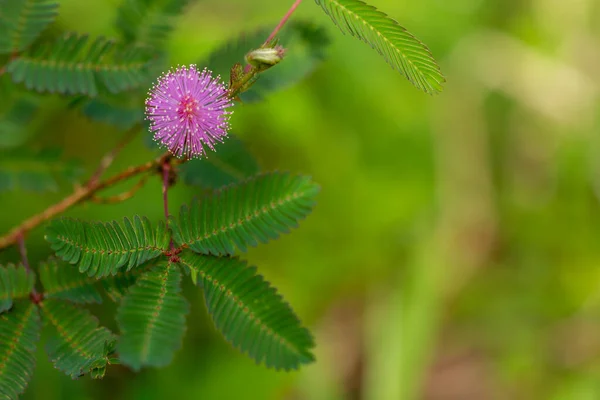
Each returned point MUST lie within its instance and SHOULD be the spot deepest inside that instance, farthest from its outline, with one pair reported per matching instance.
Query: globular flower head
(187, 109)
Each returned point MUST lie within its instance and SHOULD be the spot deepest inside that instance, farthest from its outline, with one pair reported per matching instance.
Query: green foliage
(101, 249)
(21, 21)
(75, 64)
(15, 283)
(400, 49)
(66, 283)
(37, 171)
(19, 334)
(120, 112)
(305, 45)
(241, 215)
(148, 22)
(250, 313)
(152, 318)
(231, 162)
(79, 345)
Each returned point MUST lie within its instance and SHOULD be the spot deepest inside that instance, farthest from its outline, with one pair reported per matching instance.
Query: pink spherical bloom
(187, 110)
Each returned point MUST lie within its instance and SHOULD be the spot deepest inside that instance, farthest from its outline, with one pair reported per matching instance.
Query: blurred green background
(454, 250)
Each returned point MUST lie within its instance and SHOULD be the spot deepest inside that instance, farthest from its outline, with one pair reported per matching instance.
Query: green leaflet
(250, 313)
(231, 162)
(74, 64)
(400, 49)
(79, 345)
(101, 249)
(67, 283)
(241, 215)
(118, 285)
(15, 283)
(148, 22)
(21, 21)
(152, 318)
(19, 334)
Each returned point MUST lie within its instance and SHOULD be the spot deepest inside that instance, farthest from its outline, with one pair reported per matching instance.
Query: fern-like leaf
(21, 21)
(79, 344)
(19, 334)
(250, 313)
(244, 214)
(118, 285)
(74, 64)
(148, 22)
(152, 318)
(65, 283)
(101, 249)
(15, 283)
(400, 49)
(231, 162)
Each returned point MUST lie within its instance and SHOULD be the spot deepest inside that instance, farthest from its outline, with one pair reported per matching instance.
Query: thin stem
(283, 21)
(119, 198)
(80, 194)
(166, 168)
(34, 295)
(109, 157)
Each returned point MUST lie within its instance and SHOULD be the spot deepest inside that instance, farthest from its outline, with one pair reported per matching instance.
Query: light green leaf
(21, 22)
(101, 249)
(400, 49)
(74, 64)
(19, 334)
(250, 313)
(244, 214)
(152, 318)
(79, 344)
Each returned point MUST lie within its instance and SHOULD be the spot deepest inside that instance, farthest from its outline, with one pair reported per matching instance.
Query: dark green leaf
(15, 121)
(250, 313)
(101, 249)
(15, 283)
(74, 64)
(231, 162)
(19, 334)
(118, 285)
(66, 283)
(152, 319)
(79, 344)
(244, 214)
(21, 21)
(400, 49)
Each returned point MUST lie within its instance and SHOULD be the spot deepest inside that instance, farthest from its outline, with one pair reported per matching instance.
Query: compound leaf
(19, 334)
(79, 344)
(75, 64)
(21, 21)
(400, 49)
(101, 249)
(152, 318)
(148, 22)
(66, 283)
(241, 215)
(15, 283)
(250, 313)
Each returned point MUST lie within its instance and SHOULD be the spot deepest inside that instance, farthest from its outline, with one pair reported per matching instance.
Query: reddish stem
(34, 295)
(283, 21)
(166, 168)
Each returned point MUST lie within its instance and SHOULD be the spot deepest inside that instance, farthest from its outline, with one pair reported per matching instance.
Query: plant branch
(283, 21)
(166, 168)
(122, 196)
(109, 157)
(34, 295)
(80, 194)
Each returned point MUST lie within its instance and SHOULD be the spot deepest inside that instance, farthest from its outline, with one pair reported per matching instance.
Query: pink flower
(187, 110)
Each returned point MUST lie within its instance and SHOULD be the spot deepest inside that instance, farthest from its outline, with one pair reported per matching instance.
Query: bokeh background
(454, 252)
